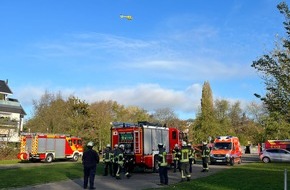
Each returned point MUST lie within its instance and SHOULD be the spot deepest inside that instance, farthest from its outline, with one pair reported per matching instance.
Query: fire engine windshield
(222, 145)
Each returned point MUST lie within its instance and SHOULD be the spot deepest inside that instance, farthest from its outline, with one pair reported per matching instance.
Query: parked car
(275, 155)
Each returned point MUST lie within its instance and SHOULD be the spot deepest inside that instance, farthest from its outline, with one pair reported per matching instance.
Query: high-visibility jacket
(119, 156)
(184, 154)
(191, 152)
(175, 153)
(108, 155)
(162, 157)
(205, 151)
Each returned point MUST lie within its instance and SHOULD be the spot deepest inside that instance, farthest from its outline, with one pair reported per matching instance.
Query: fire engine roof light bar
(224, 137)
(140, 123)
(122, 124)
(42, 134)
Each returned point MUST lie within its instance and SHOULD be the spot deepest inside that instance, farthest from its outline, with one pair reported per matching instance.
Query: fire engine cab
(283, 144)
(143, 139)
(226, 149)
(49, 147)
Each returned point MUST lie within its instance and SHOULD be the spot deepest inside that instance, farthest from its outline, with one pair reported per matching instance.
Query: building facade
(11, 115)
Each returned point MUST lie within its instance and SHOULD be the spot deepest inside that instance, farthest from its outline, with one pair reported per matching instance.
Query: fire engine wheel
(155, 167)
(49, 158)
(76, 157)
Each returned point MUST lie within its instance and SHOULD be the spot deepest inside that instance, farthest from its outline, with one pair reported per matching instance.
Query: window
(174, 135)
(273, 151)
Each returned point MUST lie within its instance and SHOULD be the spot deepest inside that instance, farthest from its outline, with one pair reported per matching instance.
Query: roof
(12, 109)
(4, 88)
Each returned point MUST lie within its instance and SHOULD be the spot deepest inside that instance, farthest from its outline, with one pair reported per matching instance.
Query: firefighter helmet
(176, 146)
(108, 145)
(189, 144)
(116, 145)
(204, 143)
(121, 146)
(160, 145)
(90, 144)
(184, 143)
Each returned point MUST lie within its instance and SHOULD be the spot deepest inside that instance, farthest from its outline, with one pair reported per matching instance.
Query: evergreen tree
(205, 125)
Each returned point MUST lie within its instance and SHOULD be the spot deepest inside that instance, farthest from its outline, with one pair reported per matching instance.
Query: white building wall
(13, 133)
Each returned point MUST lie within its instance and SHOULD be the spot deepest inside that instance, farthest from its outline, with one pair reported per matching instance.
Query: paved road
(137, 181)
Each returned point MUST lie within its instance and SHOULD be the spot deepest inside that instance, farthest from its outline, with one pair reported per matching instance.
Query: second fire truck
(49, 147)
(283, 144)
(143, 139)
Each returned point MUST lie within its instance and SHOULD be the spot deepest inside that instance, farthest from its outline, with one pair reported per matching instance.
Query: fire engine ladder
(137, 142)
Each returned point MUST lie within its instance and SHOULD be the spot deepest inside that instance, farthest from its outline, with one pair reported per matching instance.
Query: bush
(9, 152)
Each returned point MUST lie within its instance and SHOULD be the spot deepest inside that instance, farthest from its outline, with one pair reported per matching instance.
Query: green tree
(222, 110)
(54, 114)
(205, 125)
(48, 115)
(236, 116)
(275, 70)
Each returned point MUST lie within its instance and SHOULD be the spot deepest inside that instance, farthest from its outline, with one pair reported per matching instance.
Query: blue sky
(159, 59)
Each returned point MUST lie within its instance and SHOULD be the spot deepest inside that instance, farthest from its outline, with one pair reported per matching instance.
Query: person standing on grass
(90, 160)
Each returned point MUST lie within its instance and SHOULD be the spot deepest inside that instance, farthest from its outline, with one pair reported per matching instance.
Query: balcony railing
(5, 122)
(10, 103)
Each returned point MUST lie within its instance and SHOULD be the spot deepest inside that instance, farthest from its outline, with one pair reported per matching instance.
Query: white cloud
(146, 96)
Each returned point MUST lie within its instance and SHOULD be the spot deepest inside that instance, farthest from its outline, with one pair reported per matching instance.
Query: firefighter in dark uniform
(114, 159)
(107, 160)
(205, 151)
(90, 160)
(119, 159)
(128, 161)
(176, 162)
(191, 156)
(162, 163)
(184, 162)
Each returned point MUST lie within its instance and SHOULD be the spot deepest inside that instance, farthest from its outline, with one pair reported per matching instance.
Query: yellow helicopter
(128, 17)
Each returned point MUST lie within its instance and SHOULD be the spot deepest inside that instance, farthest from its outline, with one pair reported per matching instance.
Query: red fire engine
(143, 139)
(48, 147)
(283, 144)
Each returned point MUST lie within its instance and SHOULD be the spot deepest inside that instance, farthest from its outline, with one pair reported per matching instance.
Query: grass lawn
(247, 177)
(8, 162)
(251, 176)
(25, 176)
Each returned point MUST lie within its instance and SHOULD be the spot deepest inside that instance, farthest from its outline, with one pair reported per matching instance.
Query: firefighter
(162, 163)
(191, 156)
(128, 161)
(114, 159)
(205, 151)
(119, 159)
(107, 160)
(184, 162)
(90, 160)
(176, 162)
